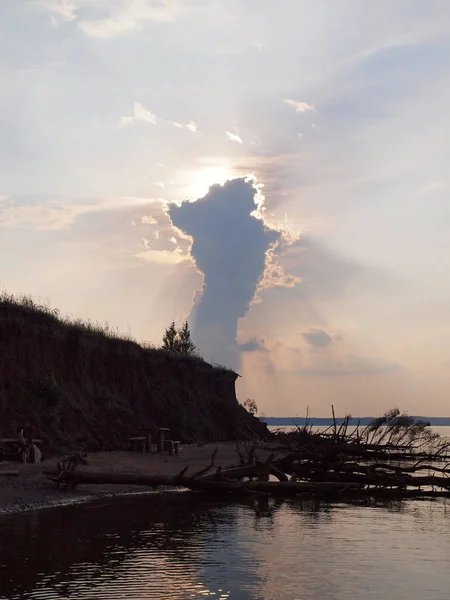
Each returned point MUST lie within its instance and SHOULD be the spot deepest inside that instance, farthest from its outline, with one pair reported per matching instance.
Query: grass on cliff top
(18, 307)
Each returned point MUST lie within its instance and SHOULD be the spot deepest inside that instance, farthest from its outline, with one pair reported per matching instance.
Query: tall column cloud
(230, 242)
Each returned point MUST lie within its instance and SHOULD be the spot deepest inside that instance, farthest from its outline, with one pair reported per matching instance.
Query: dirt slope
(77, 386)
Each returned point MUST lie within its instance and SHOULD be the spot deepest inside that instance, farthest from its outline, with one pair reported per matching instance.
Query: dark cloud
(229, 245)
(318, 338)
(253, 345)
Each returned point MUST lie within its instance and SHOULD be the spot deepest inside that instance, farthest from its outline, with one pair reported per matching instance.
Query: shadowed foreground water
(140, 548)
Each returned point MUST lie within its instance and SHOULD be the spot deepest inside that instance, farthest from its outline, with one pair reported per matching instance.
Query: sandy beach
(32, 490)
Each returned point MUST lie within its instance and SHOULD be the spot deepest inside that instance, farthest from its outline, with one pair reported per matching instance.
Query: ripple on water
(180, 547)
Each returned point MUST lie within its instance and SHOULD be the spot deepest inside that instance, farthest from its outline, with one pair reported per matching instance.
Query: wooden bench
(172, 446)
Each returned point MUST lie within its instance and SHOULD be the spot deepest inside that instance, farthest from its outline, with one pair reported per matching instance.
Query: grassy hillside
(80, 384)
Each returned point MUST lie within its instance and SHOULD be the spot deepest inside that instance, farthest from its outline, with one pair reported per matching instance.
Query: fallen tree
(371, 462)
(229, 480)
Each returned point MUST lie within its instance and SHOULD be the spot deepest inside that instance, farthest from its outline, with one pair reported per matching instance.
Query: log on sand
(9, 473)
(218, 483)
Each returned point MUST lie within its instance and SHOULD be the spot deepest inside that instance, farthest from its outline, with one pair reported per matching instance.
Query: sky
(274, 172)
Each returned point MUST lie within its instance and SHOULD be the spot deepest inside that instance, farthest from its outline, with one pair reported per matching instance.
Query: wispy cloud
(140, 113)
(300, 107)
(129, 16)
(234, 136)
(190, 125)
(59, 214)
(60, 10)
(148, 220)
(164, 257)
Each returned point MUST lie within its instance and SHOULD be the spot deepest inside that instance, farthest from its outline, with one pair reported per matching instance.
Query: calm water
(140, 548)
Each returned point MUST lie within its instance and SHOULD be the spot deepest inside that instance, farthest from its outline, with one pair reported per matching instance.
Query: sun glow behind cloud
(200, 180)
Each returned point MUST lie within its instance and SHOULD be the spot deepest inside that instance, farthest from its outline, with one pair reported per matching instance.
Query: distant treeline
(324, 422)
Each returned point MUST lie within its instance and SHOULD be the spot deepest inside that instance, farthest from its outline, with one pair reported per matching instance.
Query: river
(180, 547)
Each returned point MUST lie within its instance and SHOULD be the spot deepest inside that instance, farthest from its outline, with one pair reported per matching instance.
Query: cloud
(234, 136)
(229, 245)
(274, 274)
(253, 345)
(190, 125)
(324, 273)
(59, 214)
(300, 107)
(164, 257)
(321, 357)
(318, 338)
(318, 280)
(129, 17)
(148, 220)
(63, 10)
(139, 114)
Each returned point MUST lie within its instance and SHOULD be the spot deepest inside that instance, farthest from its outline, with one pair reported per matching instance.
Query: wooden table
(138, 443)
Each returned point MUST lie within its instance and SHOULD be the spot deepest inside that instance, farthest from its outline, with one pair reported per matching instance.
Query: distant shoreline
(326, 421)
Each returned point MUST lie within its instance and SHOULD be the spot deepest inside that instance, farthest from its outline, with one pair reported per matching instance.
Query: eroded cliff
(76, 386)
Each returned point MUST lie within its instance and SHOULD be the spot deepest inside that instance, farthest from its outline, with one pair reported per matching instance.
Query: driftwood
(217, 484)
(9, 473)
(387, 459)
(240, 481)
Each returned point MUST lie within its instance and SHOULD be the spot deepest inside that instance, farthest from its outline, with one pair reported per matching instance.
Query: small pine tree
(185, 343)
(170, 338)
(179, 340)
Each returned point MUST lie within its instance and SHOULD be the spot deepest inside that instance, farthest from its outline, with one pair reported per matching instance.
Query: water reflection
(185, 546)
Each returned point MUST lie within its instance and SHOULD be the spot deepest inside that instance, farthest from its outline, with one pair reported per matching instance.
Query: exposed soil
(77, 387)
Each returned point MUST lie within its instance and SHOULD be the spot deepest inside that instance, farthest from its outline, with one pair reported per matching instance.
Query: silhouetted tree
(179, 340)
(185, 343)
(251, 406)
(170, 338)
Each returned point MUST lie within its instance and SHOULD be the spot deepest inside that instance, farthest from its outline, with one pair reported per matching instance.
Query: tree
(185, 343)
(170, 338)
(179, 340)
(251, 406)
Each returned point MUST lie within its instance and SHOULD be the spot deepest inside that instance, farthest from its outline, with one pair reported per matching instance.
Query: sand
(31, 490)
